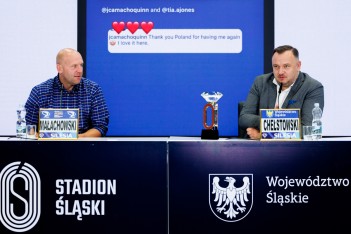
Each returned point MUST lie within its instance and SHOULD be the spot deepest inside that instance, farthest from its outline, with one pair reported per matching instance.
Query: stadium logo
(20, 200)
(228, 202)
(46, 114)
(71, 114)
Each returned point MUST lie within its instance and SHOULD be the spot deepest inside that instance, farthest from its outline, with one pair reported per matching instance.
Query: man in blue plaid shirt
(70, 90)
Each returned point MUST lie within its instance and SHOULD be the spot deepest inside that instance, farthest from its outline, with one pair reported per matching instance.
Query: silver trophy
(210, 124)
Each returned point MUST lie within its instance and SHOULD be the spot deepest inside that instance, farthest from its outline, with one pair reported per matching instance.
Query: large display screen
(154, 58)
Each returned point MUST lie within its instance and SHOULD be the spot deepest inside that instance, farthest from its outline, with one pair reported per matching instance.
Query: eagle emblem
(231, 203)
(270, 113)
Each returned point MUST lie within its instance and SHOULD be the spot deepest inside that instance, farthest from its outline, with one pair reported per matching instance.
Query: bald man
(69, 89)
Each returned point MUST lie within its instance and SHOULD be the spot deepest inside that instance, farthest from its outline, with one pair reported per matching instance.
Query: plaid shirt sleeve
(39, 97)
(99, 111)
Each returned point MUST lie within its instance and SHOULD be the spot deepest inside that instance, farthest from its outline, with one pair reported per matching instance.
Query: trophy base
(210, 134)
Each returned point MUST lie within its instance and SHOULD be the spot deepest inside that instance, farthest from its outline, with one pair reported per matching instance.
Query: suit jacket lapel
(272, 96)
(297, 85)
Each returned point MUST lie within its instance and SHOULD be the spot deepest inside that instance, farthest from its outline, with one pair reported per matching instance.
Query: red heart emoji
(132, 27)
(147, 26)
(118, 27)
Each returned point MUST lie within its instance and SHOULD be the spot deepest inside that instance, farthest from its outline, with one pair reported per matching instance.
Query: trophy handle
(208, 105)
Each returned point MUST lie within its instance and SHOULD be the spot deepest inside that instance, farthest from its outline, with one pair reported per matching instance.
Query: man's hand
(90, 133)
(253, 133)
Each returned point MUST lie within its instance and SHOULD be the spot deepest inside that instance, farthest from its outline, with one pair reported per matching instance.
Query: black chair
(241, 132)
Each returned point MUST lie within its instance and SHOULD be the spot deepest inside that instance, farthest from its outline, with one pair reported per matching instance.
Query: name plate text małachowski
(58, 124)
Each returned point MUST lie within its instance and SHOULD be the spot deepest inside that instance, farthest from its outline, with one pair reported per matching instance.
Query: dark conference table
(174, 185)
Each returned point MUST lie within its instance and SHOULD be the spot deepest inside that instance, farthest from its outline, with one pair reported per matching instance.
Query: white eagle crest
(231, 196)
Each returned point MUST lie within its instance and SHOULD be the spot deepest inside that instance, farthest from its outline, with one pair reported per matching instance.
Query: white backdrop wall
(320, 30)
(31, 34)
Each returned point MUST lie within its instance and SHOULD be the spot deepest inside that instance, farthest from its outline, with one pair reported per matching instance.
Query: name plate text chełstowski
(280, 124)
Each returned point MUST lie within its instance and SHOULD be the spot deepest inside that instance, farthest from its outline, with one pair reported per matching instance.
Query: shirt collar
(276, 83)
(58, 84)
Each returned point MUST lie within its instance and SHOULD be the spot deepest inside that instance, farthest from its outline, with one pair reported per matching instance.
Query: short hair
(282, 49)
(63, 52)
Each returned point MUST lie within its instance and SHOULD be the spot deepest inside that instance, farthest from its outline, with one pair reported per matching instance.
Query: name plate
(280, 124)
(58, 124)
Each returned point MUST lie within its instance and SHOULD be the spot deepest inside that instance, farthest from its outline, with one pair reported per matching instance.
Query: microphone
(61, 96)
(280, 90)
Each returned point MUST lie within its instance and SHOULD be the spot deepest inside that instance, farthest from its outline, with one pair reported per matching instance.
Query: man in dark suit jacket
(285, 87)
